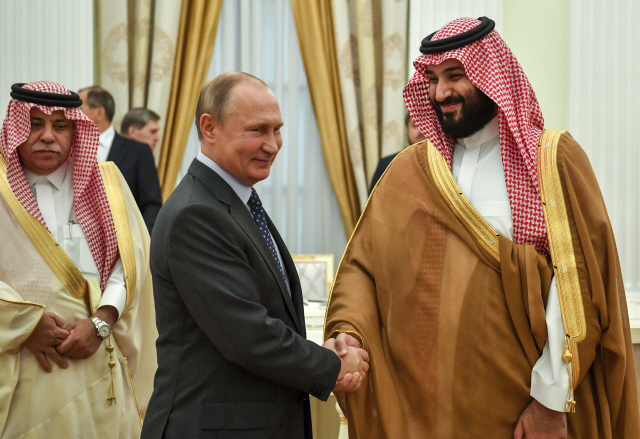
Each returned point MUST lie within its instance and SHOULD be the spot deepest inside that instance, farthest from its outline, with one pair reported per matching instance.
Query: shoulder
(569, 153)
(133, 145)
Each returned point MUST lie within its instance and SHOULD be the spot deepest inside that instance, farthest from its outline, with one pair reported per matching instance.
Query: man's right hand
(42, 342)
(354, 363)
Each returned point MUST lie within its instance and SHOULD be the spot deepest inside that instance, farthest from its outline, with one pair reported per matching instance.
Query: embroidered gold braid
(562, 252)
(55, 257)
(481, 230)
(120, 217)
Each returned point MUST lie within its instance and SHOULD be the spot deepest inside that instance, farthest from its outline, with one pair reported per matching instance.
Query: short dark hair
(137, 117)
(216, 97)
(99, 97)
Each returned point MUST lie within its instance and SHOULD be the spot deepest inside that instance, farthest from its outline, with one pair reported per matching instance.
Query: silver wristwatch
(103, 330)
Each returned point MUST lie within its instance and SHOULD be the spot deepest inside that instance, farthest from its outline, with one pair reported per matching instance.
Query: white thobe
(54, 195)
(477, 168)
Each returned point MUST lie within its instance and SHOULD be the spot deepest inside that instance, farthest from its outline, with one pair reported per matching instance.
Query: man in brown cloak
(483, 276)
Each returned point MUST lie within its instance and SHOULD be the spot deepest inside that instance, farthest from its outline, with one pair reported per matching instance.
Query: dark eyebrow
(41, 119)
(447, 70)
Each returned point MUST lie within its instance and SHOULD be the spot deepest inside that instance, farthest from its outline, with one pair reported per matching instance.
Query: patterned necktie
(260, 217)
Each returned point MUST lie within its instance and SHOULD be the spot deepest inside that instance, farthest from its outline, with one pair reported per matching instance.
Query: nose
(272, 143)
(47, 134)
(443, 90)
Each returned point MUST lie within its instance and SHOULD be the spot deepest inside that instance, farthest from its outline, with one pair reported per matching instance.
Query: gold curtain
(196, 39)
(315, 34)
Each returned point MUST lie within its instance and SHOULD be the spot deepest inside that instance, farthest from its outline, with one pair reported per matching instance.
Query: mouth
(47, 152)
(450, 108)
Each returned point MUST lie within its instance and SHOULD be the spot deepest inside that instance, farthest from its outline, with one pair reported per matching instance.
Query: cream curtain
(314, 25)
(371, 42)
(196, 39)
(137, 50)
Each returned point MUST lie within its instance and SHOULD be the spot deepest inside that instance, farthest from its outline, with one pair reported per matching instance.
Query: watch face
(104, 331)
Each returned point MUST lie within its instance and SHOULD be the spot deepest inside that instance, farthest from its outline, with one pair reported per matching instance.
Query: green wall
(537, 31)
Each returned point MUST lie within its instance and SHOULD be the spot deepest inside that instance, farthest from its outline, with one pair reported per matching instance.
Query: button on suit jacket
(233, 361)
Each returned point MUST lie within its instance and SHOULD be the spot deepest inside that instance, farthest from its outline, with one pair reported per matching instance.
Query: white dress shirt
(106, 140)
(244, 193)
(477, 168)
(54, 195)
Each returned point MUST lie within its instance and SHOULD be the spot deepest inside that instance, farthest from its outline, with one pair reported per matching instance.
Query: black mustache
(450, 100)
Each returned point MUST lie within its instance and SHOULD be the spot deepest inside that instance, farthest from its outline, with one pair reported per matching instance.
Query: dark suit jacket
(382, 166)
(135, 161)
(233, 361)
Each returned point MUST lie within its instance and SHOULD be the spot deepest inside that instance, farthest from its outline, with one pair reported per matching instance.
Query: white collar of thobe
(242, 190)
(56, 178)
(107, 136)
(490, 131)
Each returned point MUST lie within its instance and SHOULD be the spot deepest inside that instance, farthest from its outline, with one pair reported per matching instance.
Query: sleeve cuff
(550, 396)
(115, 296)
(115, 292)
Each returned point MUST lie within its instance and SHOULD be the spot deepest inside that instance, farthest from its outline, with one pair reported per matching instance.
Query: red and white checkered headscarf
(90, 198)
(491, 66)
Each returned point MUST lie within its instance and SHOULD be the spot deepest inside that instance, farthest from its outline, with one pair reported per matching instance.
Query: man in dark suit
(233, 361)
(134, 159)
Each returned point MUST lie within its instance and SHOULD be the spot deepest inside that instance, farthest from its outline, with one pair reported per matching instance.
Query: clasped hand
(354, 362)
(51, 339)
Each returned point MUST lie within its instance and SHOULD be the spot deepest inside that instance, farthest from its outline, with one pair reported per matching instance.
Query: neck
(488, 132)
(103, 126)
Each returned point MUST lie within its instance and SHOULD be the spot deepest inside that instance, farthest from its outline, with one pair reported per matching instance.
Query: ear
(208, 127)
(131, 132)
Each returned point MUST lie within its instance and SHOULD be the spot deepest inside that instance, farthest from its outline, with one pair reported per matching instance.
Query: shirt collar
(56, 178)
(106, 137)
(490, 131)
(242, 190)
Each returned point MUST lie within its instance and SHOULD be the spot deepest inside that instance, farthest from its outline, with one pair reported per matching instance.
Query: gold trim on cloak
(111, 180)
(53, 254)
(561, 245)
(480, 229)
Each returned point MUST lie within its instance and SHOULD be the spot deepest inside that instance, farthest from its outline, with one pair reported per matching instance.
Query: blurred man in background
(134, 159)
(143, 125)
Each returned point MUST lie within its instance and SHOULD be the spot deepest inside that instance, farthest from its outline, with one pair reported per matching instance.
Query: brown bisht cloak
(453, 316)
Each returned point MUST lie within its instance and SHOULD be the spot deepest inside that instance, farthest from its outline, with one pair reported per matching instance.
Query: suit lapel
(294, 281)
(241, 215)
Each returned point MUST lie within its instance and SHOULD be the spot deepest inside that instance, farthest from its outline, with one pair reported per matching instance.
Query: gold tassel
(567, 357)
(111, 397)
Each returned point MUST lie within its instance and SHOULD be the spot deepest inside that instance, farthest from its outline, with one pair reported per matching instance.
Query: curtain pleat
(314, 25)
(196, 39)
(371, 42)
(137, 51)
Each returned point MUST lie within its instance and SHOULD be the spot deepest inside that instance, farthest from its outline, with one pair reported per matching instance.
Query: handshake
(354, 362)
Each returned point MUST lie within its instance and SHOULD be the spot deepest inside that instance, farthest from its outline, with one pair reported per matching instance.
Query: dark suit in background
(233, 361)
(135, 161)
(382, 166)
